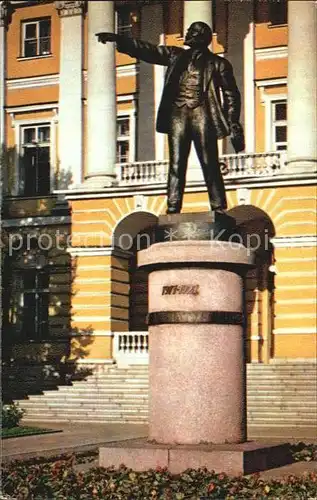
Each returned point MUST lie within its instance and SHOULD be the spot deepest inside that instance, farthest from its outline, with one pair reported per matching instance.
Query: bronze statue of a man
(200, 103)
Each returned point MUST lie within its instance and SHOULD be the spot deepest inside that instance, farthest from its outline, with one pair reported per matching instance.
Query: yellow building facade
(85, 172)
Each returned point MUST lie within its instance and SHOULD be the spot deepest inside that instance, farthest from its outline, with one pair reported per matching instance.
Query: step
(74, 414)
(87, 397)
(107, 377)
(89, 419)
(286, 415)
(281, 384)
(100, 390)
(84, 404)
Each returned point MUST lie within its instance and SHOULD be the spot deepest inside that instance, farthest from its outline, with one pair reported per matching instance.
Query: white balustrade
(131, 348)
(232, 166)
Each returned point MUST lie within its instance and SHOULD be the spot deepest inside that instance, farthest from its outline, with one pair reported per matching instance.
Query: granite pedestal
(197, 366)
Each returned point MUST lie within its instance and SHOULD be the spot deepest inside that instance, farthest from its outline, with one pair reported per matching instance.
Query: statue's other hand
(237, 137)
(105, 37)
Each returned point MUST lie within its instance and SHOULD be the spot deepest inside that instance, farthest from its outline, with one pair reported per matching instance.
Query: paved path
(75, 437)
(80, 437)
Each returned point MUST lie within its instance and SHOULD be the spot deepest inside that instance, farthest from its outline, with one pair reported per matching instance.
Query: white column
(302, 87)
(198, 10)
(70, 136)
(101, 97)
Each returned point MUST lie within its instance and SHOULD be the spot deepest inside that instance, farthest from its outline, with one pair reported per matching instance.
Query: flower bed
(51, 478)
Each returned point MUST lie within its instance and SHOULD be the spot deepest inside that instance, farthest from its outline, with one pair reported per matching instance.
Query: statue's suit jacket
(219, 85)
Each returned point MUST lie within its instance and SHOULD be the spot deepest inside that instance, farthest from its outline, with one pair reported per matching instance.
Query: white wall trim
(32, 107)
(98, 251)
(290, 361)
(272, 82)
(127, 70)
(31, 82)
(271, 53)
(294, 331)
(125, 98)
(292, 242)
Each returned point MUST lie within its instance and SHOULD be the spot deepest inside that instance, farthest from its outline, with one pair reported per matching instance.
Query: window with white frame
(36, 38)
(279, 125)
(123, 139)
(35, 160)
(124, 21)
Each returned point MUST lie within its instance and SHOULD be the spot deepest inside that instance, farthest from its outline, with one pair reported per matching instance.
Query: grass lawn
(21, 431)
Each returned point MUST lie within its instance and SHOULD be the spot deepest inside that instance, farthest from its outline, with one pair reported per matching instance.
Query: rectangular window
(124, 21)
(35, 302)
(36, 38)
(35, 164)
(123, 139)
(278, 12)
(279, 125)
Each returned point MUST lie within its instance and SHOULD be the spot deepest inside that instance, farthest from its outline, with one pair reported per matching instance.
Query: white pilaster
(198, 10)
(302, 87)
(70, 136)
(159, 73)
(4, 19)
(249, 89)
(101, 97)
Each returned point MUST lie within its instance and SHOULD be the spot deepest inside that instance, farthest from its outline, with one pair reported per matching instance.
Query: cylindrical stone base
(197, 384)
(196, 339)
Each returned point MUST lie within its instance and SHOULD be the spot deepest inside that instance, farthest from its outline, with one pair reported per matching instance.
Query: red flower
(211, 487)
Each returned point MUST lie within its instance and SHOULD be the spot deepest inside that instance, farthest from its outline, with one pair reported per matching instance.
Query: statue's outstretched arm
(153, 54)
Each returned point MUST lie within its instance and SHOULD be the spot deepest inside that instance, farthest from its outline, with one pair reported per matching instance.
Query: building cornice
(271, 53)
(260, 182)
(51, 80)
(68, 8)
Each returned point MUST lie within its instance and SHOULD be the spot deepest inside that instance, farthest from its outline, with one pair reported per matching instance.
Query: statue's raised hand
(105, 37)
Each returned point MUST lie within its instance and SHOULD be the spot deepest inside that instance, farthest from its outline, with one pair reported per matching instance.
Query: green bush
(11, 415)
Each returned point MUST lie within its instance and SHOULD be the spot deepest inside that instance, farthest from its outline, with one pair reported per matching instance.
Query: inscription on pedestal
(180, 290)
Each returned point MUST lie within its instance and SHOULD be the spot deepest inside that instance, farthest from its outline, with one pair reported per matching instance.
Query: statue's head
(199, 34)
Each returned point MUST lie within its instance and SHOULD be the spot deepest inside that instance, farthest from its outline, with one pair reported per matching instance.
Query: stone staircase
(278, 395)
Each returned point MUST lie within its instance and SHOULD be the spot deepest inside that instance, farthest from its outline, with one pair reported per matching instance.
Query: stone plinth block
(233, 459)
(196, 341)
